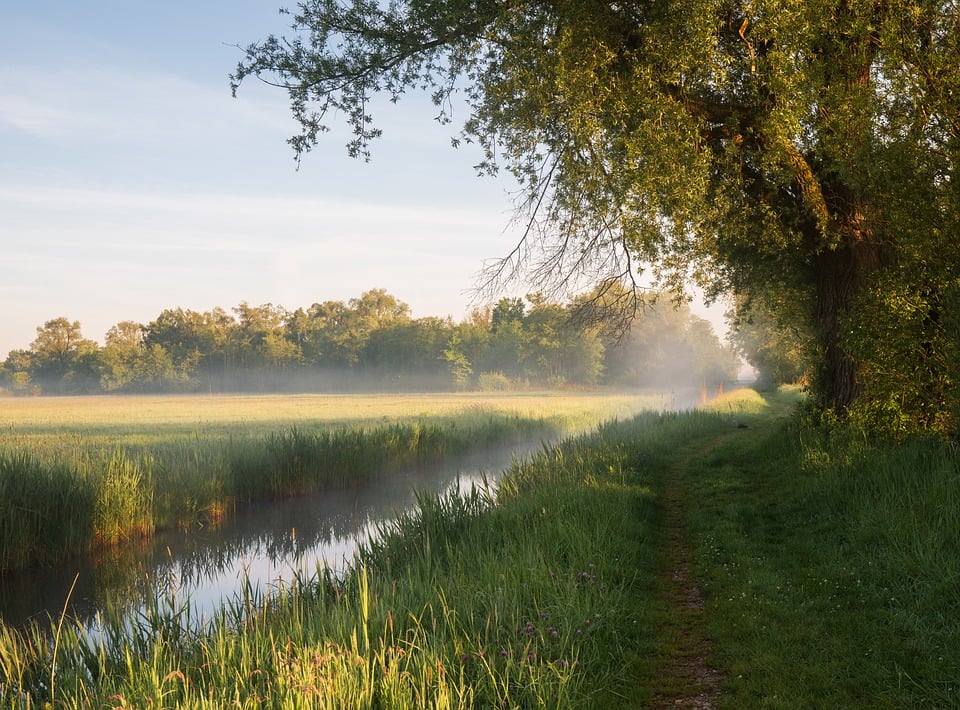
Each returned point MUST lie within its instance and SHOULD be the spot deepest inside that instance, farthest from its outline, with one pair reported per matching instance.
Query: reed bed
(103, 496)
(77, 473)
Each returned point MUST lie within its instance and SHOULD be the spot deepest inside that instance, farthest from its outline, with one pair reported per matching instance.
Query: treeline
(369, 343)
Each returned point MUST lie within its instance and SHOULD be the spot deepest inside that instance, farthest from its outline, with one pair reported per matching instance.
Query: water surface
(262, 545)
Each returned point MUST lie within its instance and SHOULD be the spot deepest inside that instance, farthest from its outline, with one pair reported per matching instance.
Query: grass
(828, 565)
(83, 472)
(832, 568)
(144, 418)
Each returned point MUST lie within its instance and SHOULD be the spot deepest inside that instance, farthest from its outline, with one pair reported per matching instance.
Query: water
(264, 546)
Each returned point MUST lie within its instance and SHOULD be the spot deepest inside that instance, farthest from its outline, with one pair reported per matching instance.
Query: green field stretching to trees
(735, 556)
(800, 158)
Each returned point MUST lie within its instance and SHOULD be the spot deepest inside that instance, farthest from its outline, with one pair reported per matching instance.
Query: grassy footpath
(831, 568)
(826, 570)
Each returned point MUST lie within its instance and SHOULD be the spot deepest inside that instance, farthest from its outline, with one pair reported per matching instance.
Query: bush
(494, 382)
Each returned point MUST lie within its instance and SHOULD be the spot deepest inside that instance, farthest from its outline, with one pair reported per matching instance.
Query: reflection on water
(261, 545)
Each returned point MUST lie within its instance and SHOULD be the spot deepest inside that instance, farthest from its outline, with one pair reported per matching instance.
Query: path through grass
(807, 567)
(683, 677)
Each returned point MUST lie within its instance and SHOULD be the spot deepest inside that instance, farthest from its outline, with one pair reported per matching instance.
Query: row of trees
(369, 342)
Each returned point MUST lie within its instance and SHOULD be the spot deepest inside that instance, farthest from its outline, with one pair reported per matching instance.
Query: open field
(188, 414)
(824, 569)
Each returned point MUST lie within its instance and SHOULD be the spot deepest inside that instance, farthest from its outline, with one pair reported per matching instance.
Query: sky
(131, 181)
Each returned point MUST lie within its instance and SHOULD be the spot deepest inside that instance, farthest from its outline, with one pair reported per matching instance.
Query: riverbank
(826, 571)
(79, 473)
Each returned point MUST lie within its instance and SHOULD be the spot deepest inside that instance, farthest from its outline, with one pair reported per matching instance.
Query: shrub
(493, 382)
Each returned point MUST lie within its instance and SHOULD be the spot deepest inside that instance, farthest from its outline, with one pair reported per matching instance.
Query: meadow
(81, 472)
(825, 567)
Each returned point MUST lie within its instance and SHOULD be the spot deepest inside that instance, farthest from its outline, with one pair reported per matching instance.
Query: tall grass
(46, 511)
(530, 597)
(53, 507)
(828, 564)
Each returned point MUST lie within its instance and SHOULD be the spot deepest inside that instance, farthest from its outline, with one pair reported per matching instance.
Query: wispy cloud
(105, 104)
(242, 213)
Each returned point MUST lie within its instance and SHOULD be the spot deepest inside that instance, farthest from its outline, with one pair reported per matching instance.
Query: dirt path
(683, 677)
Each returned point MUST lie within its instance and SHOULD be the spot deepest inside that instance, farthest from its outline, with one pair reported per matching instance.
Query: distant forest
(371, 343)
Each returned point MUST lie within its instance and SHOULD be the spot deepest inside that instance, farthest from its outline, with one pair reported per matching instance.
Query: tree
(668, 346)
(809, 145)
(194, 342)
(558, 348)
(260, 336)
(507, 310)
(377, 309)
(457, 361)
(409, 351)
(16, 372)
(60, 356)
(120, 355)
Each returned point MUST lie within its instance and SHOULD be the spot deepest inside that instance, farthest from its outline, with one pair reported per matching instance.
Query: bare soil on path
(683, 677)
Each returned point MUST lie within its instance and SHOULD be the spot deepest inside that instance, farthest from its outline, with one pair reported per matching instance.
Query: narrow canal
(261, 547)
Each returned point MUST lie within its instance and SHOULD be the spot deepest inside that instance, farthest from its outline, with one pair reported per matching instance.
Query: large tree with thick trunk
(804, 147)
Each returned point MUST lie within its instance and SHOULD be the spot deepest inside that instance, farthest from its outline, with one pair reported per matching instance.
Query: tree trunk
(841, 274)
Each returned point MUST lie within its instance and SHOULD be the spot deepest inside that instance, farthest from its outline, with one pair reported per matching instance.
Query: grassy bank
(828, 568)
(82, 472)
(832, 567)
(541, 597)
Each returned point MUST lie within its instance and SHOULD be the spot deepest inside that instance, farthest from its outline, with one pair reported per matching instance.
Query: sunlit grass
(146, 416)
(828, 563)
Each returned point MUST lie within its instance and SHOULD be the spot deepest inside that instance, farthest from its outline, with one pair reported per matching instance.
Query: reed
(84, 472)
(47, 511)
(532, 596)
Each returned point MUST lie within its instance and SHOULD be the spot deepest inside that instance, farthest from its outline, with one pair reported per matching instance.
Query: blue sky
(131, 181)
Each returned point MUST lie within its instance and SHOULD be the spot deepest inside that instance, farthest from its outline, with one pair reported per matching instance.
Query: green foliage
(667, 346)
(60, 357)
(809, 148)
(777, 346)
(912, 378)
(457, 361)
(493, 382)
(369, 344)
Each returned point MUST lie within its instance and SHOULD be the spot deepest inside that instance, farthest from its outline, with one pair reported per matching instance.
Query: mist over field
(369, 344)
